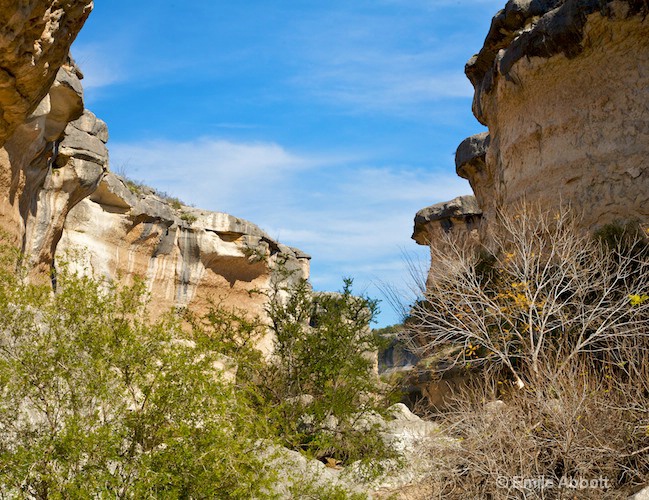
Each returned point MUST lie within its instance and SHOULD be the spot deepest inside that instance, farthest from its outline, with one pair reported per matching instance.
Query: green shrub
(322, 381)
(187, 217)
(98, 400)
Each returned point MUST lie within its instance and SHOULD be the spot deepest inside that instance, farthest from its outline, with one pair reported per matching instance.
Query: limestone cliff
(60, 201)
(35, 38)
(45, 164)
(563, 87)
(51, 162)
(187, 256)
(57, 199)
(459, 214)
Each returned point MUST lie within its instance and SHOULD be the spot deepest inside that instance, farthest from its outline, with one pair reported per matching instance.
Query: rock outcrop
(456, 220)
(187, 256)
(35, 39)
(563, 87)
(461, 214)
(49, 163)
(417, 440)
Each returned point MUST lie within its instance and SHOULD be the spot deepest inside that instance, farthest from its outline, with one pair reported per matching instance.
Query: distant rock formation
(563, 86)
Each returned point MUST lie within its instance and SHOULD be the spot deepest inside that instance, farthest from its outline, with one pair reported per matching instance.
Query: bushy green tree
(322, 380)
(97, 400)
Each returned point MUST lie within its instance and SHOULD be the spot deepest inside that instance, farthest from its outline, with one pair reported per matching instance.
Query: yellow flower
(636, 300)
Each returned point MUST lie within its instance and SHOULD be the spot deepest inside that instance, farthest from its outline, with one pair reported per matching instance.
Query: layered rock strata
(187, 256)
(563, 87)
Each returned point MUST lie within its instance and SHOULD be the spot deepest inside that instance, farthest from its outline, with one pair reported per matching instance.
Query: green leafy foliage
(96, 400)
(322, 382)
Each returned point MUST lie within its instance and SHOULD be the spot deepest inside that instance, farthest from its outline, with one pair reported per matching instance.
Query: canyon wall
(58, 201)
(563, 87)
(188, 257)
(48, 160)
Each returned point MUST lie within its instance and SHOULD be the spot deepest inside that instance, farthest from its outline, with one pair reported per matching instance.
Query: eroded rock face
(56, 199)
(50, 163)
(461, 214)
(187, 256)
(438, 225)
(35, 38)
(563, 86)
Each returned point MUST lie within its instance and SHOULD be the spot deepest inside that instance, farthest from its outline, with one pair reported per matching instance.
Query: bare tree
(537, 291)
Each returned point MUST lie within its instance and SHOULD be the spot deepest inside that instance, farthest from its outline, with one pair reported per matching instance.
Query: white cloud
(101, 63)
(401, 63)
(206, 170)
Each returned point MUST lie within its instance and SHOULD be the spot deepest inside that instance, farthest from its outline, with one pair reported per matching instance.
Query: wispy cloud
(381, 61)
(210, 171)
(389, 60)
(101, 64)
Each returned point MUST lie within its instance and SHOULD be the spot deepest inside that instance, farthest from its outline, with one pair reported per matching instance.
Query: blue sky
(328, 124)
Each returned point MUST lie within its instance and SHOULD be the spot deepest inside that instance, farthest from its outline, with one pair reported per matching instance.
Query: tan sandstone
(35, 38)
(188, 257)
(563, 87)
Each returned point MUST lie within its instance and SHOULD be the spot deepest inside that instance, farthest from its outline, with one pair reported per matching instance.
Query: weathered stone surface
(74, 170)
(188, 257)
(470, 155)
(563, 87)
(414, 438)
(430, 222)
(47, 166)
(458, 221)
(641, 495)
(35, 38)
